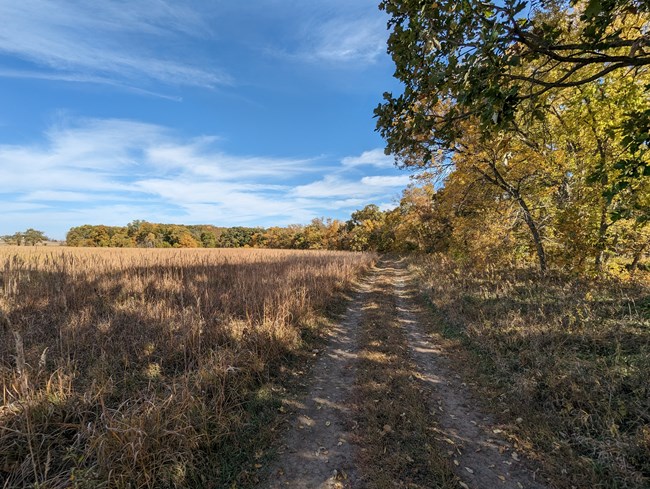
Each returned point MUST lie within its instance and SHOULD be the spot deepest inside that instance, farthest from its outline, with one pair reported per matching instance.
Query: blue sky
(220, 112)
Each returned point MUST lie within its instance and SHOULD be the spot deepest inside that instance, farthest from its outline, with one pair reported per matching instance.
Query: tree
(597, 197)
(33, 237)
(467, 56)
(279, 237)
(514, 95)
(418, 224)
(30, 237)
(121, 239)
(365, 229)
(15, 239)
(239, 237)
(208, 239)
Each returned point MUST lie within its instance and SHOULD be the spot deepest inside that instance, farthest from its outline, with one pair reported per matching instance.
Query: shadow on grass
(569, 356)
(150, 376)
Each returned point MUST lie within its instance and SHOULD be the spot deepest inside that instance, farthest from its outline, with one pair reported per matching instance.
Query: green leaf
(594, 8)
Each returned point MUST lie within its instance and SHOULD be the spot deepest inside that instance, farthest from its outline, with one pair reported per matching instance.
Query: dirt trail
(318, 453)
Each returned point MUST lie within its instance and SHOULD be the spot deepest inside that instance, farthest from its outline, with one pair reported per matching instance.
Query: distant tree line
(30, 237)
(319, 234)
(364, 231)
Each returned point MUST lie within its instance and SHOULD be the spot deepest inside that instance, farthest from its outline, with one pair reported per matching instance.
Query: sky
(254, 113)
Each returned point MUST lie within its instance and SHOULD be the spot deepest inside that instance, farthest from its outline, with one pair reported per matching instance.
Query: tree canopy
(485, 58)
(539, 111)
(30, 237)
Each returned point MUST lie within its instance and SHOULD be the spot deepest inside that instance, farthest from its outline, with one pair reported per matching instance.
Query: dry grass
(395, 425)
(569, 356)
(150, 368)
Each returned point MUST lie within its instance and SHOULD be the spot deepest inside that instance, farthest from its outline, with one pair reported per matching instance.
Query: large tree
(485, 83)
(466, 56)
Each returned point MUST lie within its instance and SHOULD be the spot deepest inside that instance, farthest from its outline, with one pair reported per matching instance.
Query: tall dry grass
(148, 368)
(568, 356)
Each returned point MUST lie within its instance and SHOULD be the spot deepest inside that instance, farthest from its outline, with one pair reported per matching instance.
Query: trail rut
(483, 459)
(319, 449)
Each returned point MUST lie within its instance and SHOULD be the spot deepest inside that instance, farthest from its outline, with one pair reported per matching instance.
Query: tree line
(332, 234)
(534, 120)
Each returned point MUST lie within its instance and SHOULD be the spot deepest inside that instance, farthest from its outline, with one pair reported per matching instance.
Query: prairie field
(151, 368)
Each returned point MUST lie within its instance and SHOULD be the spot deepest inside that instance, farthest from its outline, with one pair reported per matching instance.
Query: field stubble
(150, 368)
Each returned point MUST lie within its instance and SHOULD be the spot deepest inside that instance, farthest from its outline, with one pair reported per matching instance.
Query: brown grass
(150, 368)
(570, 357)
(395, 426)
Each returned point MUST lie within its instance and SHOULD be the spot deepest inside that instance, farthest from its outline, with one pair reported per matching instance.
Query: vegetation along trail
(384, 408)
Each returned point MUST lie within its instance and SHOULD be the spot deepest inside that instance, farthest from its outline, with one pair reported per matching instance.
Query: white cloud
(386, 206)
(333, 33)
(113, 171)
(386, 181)
(108, 40)
(59, 196)
(374, 157)
(81, 78)
(352, 40)
(334, 186)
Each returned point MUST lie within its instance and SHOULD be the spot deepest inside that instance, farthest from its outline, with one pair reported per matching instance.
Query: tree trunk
(532, 225)
(501, 182)
(600, 242)
(637, 257)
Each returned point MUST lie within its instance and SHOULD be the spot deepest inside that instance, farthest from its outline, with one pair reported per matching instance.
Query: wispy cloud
(335, 33)
(374, 157)
(335, 186)
(350, 40)
(386, 181)
(106, 41)
(113, 171)
(81, 78)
